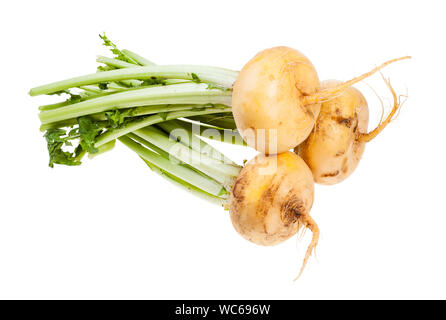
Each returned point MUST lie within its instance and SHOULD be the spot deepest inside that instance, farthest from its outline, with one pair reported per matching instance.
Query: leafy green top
(116, 118)
(56, 140)
(88, 131)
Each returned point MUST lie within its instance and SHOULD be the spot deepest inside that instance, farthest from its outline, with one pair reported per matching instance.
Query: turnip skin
(333, 149)
(271, 200)
(267, 100)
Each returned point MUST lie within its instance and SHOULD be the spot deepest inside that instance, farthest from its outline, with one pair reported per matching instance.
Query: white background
(113, 229)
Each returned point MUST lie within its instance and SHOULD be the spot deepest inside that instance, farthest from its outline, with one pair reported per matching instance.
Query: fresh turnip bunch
(272, 105)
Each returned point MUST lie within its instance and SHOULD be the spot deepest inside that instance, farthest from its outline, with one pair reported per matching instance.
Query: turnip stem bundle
(126, 99)
(182, 174)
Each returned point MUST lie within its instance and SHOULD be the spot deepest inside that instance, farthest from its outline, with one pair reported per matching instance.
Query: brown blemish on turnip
(344, 166)
(344, 121)
(238, 190)
(266, 201)
(291, 209)
(330, 174)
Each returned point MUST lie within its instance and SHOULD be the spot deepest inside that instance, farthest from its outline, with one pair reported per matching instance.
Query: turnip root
(335, 146)
(267, 100)
(276, 99)
(271, 200)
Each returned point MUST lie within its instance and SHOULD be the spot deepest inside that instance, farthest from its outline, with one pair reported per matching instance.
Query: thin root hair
(383, 111)
(310, 224)
(397, 104)
(330, 93)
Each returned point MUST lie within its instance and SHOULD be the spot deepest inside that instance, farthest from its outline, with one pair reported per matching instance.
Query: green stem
(186, 135)
(91, 89)
(192, 177)
(219, 76)
(100, 93)
(102, 149)
(136, 112)
(136, 57)
(166, 156)
(59, 124)
(223, 173)
(53, 106)
(119, 64)
(214, 133)
(95, 92)
(151, 146)
(187, 186)
(114, 62)
(142, 122)
(222, 121)
(141, 111)
(184, 93)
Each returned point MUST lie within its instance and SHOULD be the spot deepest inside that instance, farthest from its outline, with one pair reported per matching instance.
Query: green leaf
(154, 81)
(223, 192)
(55, 135)
(58, 93)
(114, 49)
(73, 97)
(103, 86)
(216, 86)
(116, 118)
(55, 141)
(74, 133)
(200, 108)
(88, 130)
(195, 78)
(163, 115)
(58, 156)
(105, 68)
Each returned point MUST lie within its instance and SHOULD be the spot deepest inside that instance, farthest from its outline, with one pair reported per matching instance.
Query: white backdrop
(113, 229)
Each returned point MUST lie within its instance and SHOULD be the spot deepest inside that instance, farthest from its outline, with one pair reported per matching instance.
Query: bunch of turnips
(304, 129)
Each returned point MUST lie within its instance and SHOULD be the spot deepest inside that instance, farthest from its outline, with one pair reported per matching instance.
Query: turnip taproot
(271, 200)
(335, 146)
(276, 98)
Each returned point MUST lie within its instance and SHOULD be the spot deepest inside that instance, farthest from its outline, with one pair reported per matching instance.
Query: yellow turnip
(335, 146)
(271, 200)
(267, 100)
